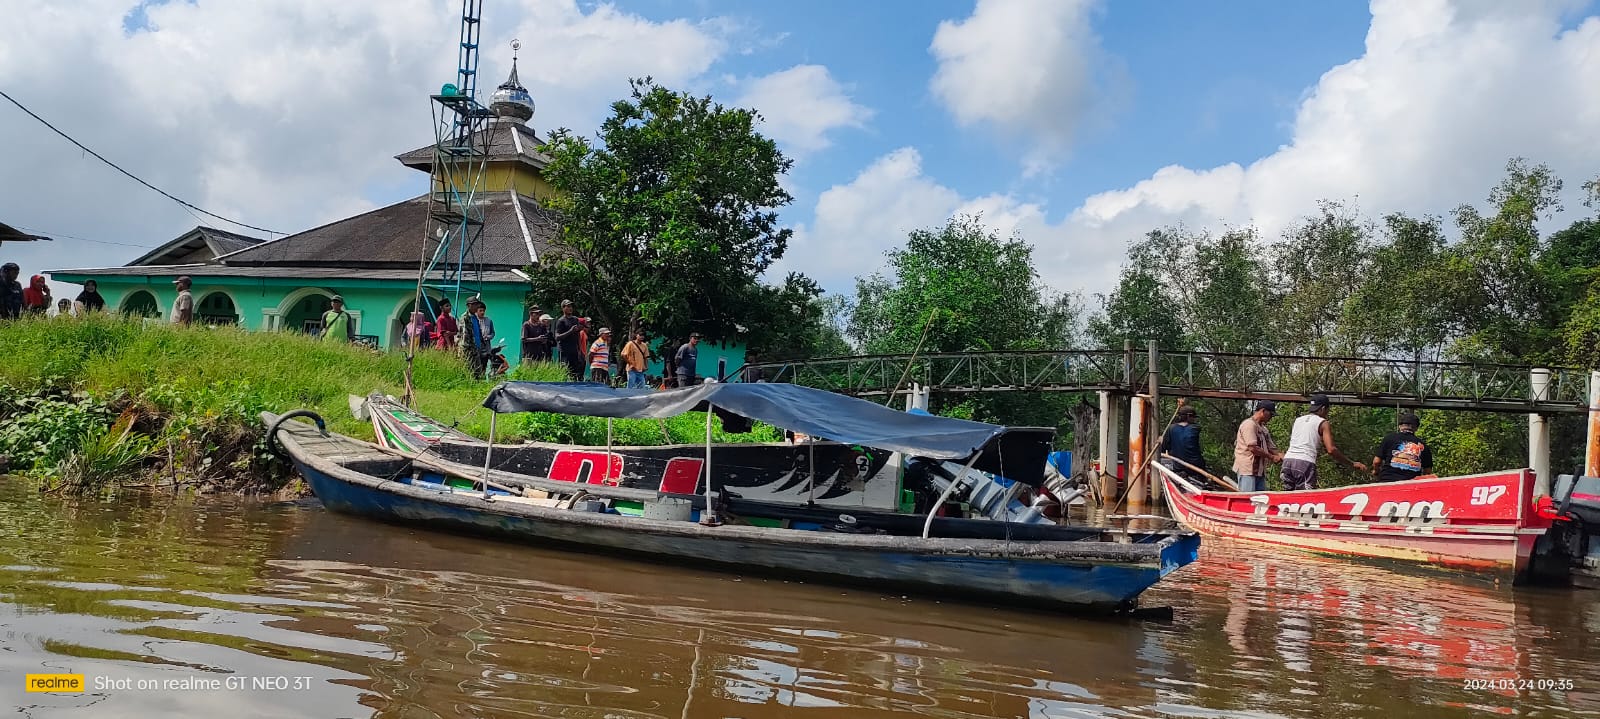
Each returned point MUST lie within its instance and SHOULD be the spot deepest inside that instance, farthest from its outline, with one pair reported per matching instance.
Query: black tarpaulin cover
(1009, 452)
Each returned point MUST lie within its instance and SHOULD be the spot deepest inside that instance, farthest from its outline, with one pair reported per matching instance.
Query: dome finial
(511, 99)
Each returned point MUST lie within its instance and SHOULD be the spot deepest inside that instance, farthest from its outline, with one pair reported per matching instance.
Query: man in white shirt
(1310, 437)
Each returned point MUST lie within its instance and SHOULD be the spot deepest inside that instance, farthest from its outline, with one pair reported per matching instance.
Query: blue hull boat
(1097, 570)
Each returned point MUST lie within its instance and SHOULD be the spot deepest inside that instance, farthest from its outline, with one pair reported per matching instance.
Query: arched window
(140, 304)
(217, 308)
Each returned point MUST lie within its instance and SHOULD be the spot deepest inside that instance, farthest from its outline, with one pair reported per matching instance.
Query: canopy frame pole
(811, 464)
(927, 525)
(606, 473)
(709, 518)
(488, 452)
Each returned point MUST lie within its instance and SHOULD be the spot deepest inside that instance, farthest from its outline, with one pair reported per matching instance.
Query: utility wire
(135, 178)
(57, 235)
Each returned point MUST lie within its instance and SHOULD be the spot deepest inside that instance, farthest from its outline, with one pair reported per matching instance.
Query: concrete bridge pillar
(1110, 416)
(1138, 422)
(1539, 433)
(1591, 454)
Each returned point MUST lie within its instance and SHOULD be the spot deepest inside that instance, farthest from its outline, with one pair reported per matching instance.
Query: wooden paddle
(1219, 480)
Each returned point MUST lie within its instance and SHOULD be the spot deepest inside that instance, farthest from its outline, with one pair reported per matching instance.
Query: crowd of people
(588, 354)
(35, 299)
(1402, 455)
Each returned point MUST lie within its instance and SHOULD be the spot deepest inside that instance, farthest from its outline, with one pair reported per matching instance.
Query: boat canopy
(1013, 453)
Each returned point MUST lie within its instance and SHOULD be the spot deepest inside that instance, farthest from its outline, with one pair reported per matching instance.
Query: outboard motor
(1570, 549)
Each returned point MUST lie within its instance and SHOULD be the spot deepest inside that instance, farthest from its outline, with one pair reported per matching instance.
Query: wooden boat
(1088, 568)
(1484, 523)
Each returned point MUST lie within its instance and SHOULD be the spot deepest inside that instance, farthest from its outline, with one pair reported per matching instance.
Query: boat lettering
(1308, 510)
(1488, 495)
(1357, 502)
(574, 465)
(1420, 512)
(1258, 503)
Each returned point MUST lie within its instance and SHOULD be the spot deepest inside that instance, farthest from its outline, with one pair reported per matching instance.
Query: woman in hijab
(420, 330)
(89, 300)
(36, 298)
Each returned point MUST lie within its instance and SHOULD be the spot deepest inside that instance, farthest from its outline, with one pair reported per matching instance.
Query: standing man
(336, 323)
(685, 359)
(478, 334)
(636, 355)
(10, 291)
(535, 338)
(600, 358)
(1253, 448)
(1183, 442)
(183, 307)
(569, 341)
(446, 330)
(1310, 437)
(1402, 455)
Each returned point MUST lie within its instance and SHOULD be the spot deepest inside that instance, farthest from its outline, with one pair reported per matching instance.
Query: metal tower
(448, 262)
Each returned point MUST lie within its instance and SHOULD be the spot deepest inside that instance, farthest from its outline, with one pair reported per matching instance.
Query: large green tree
(668, 218)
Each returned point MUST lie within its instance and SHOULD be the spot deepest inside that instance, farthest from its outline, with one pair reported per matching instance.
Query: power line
(135, 178)
(56, 235)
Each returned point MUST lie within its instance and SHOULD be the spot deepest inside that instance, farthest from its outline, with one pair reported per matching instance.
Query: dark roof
(303, 273)
(508, 140)
(201, 244)
(515, 231)
(12, 234)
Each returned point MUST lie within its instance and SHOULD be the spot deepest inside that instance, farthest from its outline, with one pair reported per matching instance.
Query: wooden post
(1539, 433)
(1155, 430)
(1138, 420)
(1591, 455)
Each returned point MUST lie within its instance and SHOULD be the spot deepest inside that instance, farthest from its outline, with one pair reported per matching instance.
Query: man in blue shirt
(1183, 441)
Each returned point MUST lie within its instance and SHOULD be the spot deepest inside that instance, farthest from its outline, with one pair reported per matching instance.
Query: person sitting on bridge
(1402, 455)
(1253, 448)
(1309, 438)
(1183, 442)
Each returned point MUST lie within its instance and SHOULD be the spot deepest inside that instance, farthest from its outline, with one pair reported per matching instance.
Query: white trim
(527, 238)
(516, 139)
(521, 274)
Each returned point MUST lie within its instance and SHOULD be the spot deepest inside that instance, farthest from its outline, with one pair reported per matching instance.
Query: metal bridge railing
(1348, 380)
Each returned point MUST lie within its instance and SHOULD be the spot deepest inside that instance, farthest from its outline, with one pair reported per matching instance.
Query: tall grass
(200, 390)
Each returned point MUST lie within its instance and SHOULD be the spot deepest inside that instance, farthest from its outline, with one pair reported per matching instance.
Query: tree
(1141, 308)
(967, 288)
(669, 219)
(1229, 306)
(1315, 269)
(1400, 303)
(795, 322)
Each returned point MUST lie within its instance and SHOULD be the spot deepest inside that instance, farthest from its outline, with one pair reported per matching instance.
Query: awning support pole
(709, 516)
(606, 473)
(811, 486)
(488, 451)
(927, 525)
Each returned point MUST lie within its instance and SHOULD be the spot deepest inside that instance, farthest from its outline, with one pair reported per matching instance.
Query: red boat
(1483, 523)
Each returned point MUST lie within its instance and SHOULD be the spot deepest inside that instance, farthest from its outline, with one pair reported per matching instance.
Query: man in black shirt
(571, 344)
(1403, 455)
(10, 292)
(1183, 441)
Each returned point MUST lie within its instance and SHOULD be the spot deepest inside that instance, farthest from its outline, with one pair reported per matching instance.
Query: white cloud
(1027, 67)
(283, 114)
(800, 106)
(1424, 120)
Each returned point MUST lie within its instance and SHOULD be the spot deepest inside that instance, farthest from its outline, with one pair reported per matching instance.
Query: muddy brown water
(224, 608)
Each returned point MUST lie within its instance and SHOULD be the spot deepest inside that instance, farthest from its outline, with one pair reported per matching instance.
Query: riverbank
(105, 401)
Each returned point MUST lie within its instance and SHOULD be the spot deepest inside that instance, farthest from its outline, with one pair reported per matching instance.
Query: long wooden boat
(1085, 568)
(1481, 523)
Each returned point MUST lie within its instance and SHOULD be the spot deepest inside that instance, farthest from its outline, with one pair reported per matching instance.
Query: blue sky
(1077, 124)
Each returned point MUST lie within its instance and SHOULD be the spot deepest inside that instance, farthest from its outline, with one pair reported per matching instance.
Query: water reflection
(395, 622)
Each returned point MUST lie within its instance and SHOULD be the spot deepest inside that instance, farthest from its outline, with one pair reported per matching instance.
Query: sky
(1078, 125)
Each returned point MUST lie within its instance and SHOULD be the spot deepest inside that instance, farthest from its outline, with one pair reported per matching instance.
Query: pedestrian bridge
(1372, 382)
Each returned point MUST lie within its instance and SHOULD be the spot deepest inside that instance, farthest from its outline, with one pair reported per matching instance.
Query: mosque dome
(511, 99)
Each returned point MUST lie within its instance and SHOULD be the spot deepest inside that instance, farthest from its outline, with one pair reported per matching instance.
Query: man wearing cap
(600, 358)
(1402, 455)
(336, 324)
(1183, 442)
(183, 307)
(10, 292)
(477, 333)
(1310, 436)
(1253, 448)
(688, 354)
(536, 337)
(636, 356)
(571, 344)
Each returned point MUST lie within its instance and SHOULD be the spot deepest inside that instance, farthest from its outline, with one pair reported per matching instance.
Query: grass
(195, 394)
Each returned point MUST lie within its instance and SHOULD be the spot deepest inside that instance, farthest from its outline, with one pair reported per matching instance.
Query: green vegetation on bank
(103, 400)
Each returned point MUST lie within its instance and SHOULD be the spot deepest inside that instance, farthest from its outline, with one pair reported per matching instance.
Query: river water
(225, 608)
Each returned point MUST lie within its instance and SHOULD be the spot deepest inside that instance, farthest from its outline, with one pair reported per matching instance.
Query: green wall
(376, 304)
